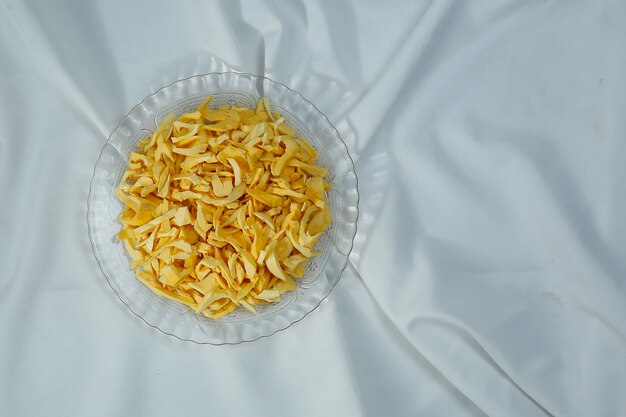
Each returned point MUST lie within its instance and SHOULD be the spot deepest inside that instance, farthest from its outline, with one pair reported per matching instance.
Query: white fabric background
(488, 276)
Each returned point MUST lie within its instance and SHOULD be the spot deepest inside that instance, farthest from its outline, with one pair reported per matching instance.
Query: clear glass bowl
(323, 271)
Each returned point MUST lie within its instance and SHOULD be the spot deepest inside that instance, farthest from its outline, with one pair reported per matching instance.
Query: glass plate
(323, 271)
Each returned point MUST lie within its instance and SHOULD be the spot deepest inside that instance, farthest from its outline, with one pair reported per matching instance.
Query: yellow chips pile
(223, 208)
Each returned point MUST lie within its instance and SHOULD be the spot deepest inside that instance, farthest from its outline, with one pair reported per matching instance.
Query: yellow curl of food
(222, 208)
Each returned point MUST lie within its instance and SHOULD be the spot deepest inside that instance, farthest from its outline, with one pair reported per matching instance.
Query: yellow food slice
(222, 208)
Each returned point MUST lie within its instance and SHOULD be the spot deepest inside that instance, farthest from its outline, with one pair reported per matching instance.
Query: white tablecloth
(488, 275)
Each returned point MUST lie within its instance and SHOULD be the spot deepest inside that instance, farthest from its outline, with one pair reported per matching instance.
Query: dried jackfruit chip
(223, 208)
